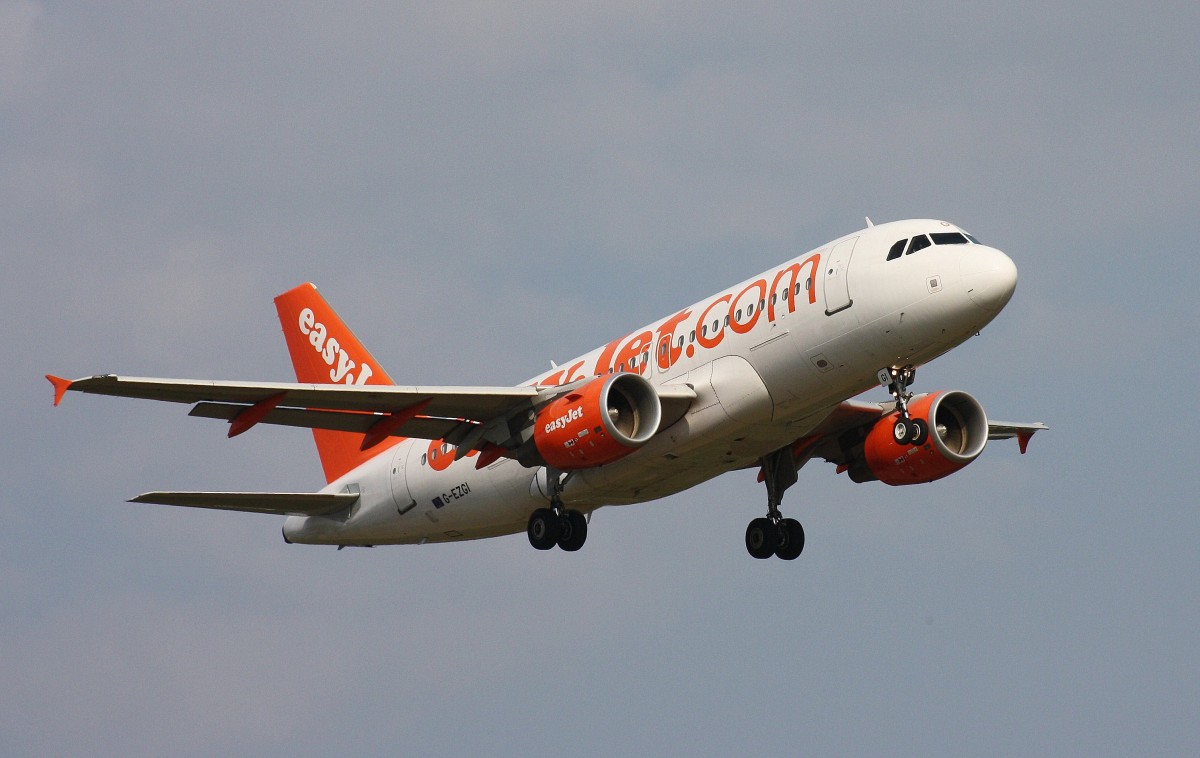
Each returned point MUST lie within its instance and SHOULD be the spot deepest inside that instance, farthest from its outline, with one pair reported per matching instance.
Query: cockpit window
(920, 242)
(948, 238)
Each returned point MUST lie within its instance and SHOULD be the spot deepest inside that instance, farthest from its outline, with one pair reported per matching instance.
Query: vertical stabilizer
(325, 351)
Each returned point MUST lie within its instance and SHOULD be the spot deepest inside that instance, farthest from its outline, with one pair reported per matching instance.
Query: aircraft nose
(989, 275)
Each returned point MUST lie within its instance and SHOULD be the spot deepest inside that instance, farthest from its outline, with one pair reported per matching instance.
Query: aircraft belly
(706, 453)
(462, 501)
(459, 503)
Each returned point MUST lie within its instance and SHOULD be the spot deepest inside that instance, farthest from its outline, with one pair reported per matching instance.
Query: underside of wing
(847, 423)
(1004, 430)
(278, 503)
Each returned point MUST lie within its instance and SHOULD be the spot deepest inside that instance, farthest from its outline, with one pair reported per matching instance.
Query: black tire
(543, 529)
(791, 542)
(573, 531)
(901, 432)
(920, 432)
(761, 538)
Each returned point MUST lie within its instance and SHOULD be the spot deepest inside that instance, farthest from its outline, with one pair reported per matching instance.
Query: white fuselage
(768, 358)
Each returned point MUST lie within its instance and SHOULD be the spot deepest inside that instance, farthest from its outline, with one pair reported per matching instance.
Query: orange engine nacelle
(598, 423)
(958, 431)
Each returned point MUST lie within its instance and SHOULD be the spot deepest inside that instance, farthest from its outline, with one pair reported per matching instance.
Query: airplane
(761, 375)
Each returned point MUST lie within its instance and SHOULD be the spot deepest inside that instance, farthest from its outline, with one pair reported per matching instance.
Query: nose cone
(990, 277)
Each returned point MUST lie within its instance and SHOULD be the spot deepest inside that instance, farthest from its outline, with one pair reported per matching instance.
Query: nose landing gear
(907, 430)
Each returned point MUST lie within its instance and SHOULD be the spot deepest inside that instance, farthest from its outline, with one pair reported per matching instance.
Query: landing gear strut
(907, 430)
(556, 525)
(776, 535)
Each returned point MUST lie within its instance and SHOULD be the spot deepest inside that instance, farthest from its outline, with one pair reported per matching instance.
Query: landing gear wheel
(761, 538)
(573, 531)
(920, 432)
(791, 539)
(544, 529)
(902, 432)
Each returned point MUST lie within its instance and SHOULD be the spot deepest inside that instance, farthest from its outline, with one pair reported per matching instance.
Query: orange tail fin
(325, 351)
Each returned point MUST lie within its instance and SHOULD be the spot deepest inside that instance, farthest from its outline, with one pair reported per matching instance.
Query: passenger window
(424, 458)
(716, 325)
(920, 242)
(797, 288)
(681, 340)
(645, 357)
(773, 298)
(726, 321)
(738, 316)
(663, 347)
(692, 336)
(948, 238)
(704, 331)
(897, 250)
(762, 304)
(749, 310)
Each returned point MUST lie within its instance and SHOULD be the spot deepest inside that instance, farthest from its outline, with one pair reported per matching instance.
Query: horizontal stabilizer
(278, 503)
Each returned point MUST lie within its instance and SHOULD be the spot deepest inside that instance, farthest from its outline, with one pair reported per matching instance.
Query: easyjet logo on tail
(330, 350)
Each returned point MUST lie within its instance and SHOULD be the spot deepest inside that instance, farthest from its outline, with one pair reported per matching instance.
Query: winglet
(60, 387)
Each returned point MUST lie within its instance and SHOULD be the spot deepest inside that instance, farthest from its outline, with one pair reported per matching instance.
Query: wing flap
(277, 503)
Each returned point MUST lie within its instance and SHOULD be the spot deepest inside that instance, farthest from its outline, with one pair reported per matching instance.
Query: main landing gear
(774, 534)
(556, 525)
(907, 430)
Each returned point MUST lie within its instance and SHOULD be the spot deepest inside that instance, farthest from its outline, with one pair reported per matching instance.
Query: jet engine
(958, 432)
(597, 423)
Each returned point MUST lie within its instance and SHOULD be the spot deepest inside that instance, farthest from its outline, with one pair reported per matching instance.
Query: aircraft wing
(1004, 430)
(449, 413)
(825, 439)
(475, 403)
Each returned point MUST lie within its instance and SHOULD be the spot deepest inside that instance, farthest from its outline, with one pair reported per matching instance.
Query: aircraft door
(400, 491)
(837, 285)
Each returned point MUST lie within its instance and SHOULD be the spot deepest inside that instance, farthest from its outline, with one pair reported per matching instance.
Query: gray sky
(479, 191)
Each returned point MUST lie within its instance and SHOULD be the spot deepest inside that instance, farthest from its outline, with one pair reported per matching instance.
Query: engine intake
(597, 423)
(958, 432)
